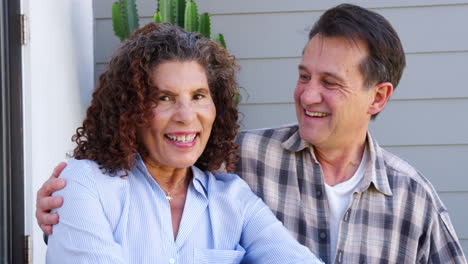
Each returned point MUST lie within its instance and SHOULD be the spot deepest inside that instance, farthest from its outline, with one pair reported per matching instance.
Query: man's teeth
(316, 114)
(182, 139)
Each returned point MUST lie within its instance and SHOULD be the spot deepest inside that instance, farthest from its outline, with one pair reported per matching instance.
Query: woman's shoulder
(226, 181)
(89, 174)
(230, 186)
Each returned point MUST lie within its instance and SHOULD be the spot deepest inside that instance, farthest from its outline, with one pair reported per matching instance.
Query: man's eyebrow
(302, 67)
(334, 75)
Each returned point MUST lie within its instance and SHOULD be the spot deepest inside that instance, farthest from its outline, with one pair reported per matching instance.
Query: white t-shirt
(339, 197)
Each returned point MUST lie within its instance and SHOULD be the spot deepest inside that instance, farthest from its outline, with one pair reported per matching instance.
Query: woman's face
(183, 118)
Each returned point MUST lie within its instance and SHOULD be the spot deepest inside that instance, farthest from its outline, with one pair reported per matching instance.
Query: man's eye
(330, 84)
(304, 77)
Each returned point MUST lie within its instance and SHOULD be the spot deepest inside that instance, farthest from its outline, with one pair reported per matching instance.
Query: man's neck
(340, 164)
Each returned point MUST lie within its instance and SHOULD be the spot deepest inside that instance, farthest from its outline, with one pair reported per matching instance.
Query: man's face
(332, 103)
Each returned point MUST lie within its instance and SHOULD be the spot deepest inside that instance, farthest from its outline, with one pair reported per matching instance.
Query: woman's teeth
(182, 139)
(316, 114)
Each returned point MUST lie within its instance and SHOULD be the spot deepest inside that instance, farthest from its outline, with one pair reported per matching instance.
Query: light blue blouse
(112, 219)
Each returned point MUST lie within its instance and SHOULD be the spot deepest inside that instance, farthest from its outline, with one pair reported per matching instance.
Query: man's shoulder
(406, 179)
(275, 134)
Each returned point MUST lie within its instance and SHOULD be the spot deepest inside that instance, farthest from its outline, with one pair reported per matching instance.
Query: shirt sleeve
(266, 240)
(441, 244)
(83, 234)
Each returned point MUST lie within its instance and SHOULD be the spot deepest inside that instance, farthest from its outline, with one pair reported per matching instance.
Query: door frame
(12, 169)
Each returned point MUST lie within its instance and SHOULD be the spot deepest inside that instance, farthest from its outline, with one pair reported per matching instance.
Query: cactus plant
(179, 12)
(124, 18)
(219, 38)
(157, 18)
(166, 9)
(204, 25)
(191, 16)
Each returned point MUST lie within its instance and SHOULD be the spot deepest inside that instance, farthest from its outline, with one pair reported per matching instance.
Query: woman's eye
(199, 96)
(164, 98)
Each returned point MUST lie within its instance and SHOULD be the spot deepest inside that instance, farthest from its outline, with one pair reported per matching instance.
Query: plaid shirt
(395, 215)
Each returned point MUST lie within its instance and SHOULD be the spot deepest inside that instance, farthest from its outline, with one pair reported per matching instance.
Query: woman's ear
(381, 94)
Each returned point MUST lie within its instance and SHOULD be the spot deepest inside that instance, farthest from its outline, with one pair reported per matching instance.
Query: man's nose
(311, 94)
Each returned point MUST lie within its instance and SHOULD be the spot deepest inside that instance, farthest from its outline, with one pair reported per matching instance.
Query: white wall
(58, 72)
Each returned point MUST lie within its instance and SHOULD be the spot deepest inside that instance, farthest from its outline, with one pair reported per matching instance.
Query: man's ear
(381, 94)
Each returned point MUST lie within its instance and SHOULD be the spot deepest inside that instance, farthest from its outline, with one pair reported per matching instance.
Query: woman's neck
(168, 177)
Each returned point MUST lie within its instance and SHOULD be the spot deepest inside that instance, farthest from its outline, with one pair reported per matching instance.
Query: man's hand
(45, 202)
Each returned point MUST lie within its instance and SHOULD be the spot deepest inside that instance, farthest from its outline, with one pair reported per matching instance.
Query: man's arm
(45, 202)
(441, 244)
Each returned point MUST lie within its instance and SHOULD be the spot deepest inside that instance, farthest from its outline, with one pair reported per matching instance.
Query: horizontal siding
(273, 80)
(464, 243)
(105, 40)
(102, 8)
(251, 36)
(456, 205)
(422, 78)
(446, 166)
(423, 122)
(267, 6)
(412, 122)
(263, 36)
(147, 7)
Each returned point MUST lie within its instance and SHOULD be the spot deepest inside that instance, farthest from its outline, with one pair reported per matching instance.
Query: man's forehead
(333, 53)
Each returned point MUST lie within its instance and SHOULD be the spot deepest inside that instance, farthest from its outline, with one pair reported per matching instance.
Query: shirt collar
(375, 172)
(200, 178)
(294, 142)
(200, 181)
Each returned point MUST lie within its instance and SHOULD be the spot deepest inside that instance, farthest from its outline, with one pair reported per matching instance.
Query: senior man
(326, 178)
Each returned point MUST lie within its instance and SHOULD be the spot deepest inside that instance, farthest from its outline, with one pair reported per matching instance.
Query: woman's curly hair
(125, 96)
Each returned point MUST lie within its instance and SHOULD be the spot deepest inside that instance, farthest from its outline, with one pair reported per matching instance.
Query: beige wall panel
(105, 40)
(266, 115)
(433, 75)
(445, 166)
(268, 80)
(262, 6)
(147, 7)
(456, 205)
(103, 8)
(464, 243)
(423, 122)
(268, 35)
(413, 122)
(427, 76)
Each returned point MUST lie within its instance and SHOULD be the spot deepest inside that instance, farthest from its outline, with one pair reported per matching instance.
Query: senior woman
(139, 189)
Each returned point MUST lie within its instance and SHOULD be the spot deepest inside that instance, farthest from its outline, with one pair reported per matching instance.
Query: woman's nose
(185, 113)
